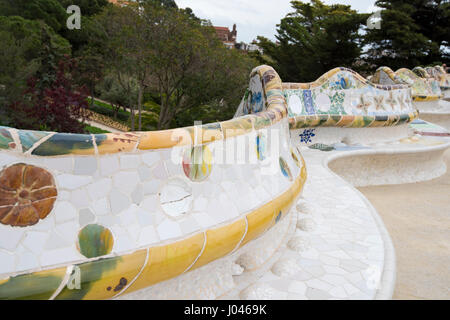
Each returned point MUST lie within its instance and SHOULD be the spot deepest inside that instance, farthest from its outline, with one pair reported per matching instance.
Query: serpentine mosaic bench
(342, 111)
(439, 74)
(205, 212)
(330, 109)
(99, 216)
(340, 106)
(426, 92)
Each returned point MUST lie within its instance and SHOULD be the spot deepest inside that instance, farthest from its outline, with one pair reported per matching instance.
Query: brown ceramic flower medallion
(27, 194)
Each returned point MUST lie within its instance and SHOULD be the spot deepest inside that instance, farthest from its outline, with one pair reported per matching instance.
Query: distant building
(254, 47)
(227, 37)
(251, 47)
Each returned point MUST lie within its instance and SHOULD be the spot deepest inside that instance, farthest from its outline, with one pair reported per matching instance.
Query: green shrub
(107, 110)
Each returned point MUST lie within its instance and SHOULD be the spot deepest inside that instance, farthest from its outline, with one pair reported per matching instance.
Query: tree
(35, 32)
(49, 11)
(88, 7)
(89, 70)
(14, 71)
(36, 76)
(58, 106)
(190, 66)
(213, 91)
(88, 37)
(314, 39)
(433, 19)
(22, 55)
(164, 3)
(164, 50)
(51, 100)
(127, 49)
(412, 33)
(111, 91)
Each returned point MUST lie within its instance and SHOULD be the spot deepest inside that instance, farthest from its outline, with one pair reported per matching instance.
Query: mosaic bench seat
(426, 92)
(343, 106)
(100, 216)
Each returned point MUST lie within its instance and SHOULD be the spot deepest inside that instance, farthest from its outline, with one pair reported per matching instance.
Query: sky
(254, 17)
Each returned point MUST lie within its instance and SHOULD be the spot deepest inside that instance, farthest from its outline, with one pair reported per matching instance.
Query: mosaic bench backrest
(343, 98)
(423, 89)
(422, 73)
(255, 97)
(120, 212)
(439, 74)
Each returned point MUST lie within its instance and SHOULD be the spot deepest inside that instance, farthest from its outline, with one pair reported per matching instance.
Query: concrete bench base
(390, 166)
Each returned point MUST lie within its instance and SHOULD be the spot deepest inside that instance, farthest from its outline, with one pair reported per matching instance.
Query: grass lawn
(94, 130)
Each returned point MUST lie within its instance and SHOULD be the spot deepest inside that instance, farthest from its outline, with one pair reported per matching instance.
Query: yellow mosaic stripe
(221, 241)
(169, 261)
(426, 98)
(105, 278)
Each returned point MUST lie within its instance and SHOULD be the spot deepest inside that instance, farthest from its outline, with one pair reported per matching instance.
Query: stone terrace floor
(417, 217)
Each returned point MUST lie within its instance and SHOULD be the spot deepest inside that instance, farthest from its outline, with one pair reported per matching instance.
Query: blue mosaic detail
(278, 218)
(307, 135)
(308, 101)
(260, 146)
(256, 102)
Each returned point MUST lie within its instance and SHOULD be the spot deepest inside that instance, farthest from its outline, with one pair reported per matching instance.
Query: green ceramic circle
(95, 241)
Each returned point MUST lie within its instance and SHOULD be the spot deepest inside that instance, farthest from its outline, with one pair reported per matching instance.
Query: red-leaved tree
(52, 101)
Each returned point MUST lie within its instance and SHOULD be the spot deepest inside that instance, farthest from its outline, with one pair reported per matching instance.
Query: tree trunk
(132, 112)
(164, 116)
(161, 117)
(115, 109)
(141, 91)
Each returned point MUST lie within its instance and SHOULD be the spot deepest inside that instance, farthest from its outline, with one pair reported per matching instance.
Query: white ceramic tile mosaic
(142, 198)
(337, 250)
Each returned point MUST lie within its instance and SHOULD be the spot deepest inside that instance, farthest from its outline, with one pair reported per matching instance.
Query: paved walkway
(336, 252)
(417, 217)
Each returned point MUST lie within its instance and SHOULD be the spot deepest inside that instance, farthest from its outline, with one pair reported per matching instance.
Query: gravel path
(101, 126)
